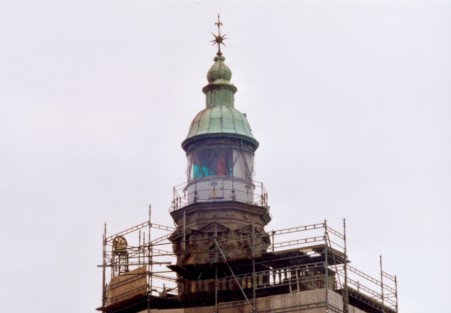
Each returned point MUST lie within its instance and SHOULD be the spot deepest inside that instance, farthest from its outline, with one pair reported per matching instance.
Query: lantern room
(220, 146)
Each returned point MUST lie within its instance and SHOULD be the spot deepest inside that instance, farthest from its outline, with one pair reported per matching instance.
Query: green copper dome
(220, 118)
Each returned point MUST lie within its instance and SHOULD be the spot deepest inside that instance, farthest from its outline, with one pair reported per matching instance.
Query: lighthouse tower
(222, 212)
(220, 257)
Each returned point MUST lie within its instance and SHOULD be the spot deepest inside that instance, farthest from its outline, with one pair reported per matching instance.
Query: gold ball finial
(219, 38)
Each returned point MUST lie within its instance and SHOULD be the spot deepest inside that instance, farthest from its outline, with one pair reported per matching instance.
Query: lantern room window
(220, 161)
(211, 162)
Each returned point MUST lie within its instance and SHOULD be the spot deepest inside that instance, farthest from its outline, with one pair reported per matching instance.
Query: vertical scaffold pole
(273, 243)
(150, 222)
(396, 293)
(142, 249)
(326, 265)
(104, 268)
(149, 259)
(216, 270)
(382, 284)
(184, 236)
(140, 246)
(175, 205)
(254, 280)
(345, 289)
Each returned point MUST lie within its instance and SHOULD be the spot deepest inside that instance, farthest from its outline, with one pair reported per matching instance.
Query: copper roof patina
(220, 118)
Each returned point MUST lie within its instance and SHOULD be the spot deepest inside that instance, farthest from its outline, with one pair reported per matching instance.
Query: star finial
(219, 38)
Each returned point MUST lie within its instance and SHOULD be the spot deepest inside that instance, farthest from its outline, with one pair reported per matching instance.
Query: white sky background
(350, 100)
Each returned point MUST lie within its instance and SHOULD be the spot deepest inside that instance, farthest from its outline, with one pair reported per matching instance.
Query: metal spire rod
(219, 24)
(219, 38)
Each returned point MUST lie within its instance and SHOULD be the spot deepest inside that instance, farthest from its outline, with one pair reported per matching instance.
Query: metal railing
(254, 193)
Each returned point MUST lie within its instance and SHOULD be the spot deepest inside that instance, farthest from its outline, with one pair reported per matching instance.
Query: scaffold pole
(382, 284)
(104, 268)
(326, 265)
(345, 288)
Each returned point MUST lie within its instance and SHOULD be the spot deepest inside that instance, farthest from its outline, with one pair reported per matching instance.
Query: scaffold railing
(150, 252)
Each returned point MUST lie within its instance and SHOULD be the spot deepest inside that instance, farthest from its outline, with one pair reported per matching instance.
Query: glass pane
(238, 164)
(223, 161)
(211, 162)
(250, 165)
(243, 164)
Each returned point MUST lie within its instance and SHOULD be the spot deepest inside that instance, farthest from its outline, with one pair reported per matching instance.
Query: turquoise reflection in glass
(212, 162)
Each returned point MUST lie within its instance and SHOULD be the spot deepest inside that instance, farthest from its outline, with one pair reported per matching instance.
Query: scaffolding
(144, 274)
(136, 267)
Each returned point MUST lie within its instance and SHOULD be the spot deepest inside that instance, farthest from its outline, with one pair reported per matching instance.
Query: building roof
(220, 118)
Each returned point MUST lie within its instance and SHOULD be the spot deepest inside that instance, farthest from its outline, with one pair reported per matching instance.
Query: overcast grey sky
(350, 100)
